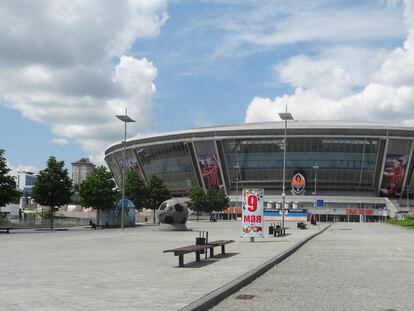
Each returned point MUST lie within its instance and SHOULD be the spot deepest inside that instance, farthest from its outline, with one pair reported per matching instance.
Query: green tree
(8, 187)
(98, 191)
(156, 193)
(135, 189)
(53, 187)
(198, 201)
(222, 201)
(217, 201)
(211, 199)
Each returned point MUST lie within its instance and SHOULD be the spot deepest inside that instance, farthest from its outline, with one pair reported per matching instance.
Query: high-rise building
(81, 169)
(25, 182)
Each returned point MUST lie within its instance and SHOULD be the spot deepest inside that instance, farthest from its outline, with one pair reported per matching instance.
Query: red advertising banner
(210, 171)
(359, 211)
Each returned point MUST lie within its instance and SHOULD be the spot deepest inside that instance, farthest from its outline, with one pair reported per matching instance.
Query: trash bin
(270, 229)
(201, 241)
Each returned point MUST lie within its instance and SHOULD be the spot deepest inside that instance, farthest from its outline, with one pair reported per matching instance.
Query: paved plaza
(351, 266)
(83, 269)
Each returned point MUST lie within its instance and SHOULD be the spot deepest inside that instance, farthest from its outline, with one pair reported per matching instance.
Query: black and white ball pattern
(173, 211)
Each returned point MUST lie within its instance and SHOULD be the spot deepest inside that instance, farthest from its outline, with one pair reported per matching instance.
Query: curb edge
(216, 296)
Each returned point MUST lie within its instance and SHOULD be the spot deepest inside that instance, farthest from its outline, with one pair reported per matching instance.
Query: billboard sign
(210, 171)
(393, 175)
(359, 211)
(252, 213)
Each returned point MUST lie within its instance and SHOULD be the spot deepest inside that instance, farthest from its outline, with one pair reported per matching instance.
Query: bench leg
(197, 256)
(181, 260)
(223, 250)
(212, 252)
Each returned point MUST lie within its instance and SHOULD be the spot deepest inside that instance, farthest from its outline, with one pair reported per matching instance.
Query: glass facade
(344, 163)
(172, 162)
(30, 180)
(115, 169)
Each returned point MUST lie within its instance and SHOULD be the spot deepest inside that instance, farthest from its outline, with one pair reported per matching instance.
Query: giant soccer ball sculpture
(173, 215)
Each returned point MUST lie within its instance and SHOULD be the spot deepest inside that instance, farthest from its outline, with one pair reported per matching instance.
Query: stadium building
(354, 170)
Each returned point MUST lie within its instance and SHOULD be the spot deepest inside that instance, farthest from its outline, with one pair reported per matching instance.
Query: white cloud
(59, 141)
(324, 85)
(64, 63)
(334, 73)
(21, 168)
(375, 102)
(264, 26)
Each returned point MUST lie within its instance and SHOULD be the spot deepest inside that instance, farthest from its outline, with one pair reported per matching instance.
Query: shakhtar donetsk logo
(298, 183)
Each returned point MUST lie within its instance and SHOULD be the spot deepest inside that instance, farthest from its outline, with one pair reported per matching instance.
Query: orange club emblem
(298, 183)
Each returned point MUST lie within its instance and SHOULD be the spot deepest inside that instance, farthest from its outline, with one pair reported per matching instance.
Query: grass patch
(408, 222)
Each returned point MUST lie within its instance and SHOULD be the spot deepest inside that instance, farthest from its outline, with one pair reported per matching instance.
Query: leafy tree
(135, 189)
(98, 190)
(53, 187)
(211, 198)
(210, 201)
(156, 193)
(198, 201)
(8, 187)
(217, 200)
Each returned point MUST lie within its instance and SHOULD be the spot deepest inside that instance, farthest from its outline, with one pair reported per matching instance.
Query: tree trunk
(154, 215)
(98, 216)
(198, 214)
(52, 212)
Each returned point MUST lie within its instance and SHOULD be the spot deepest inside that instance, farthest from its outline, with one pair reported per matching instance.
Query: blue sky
(69, 67)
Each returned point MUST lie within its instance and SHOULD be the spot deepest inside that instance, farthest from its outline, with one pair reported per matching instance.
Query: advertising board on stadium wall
(252, 213)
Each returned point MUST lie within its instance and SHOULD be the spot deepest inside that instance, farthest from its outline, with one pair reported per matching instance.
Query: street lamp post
(315, 167)
(237, 186)
(126, 119)
(284, 116)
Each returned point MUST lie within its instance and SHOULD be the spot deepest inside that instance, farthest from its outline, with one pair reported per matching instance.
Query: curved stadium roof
(295, 127)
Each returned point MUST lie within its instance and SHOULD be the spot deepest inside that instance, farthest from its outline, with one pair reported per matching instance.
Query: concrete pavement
(115, 269)
(351, 266)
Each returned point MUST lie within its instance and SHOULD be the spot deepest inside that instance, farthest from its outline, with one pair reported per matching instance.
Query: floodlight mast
(284, 116)
(315, 167)
(126, 119)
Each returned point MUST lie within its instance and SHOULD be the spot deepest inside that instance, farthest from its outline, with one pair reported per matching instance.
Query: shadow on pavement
(198, 264)
(226, 255)
(267, 241)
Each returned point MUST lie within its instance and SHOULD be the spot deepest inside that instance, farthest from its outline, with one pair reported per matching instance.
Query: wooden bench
(6, 229)
(198, 249)
(279, 231)
(301, 225)
(181, 251)
(221, 243)
(94, 226)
